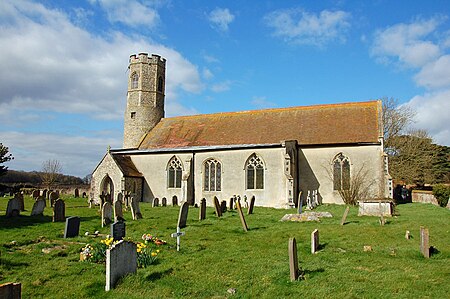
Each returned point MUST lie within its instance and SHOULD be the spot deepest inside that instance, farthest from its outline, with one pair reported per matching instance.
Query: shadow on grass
(158, 275)
(312, 273)
(350, 222)
(10, 264)
(322, 246)
(23, 220)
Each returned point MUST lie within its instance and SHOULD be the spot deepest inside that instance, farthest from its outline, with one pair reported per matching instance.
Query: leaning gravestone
(107, 212)
(202, 214)
(59, 211)
(174, 201)
(344, 217)
(13, 208)
(72, 228)
(118, 230)
(155, 202)
(38, 207)
(182, 216)
(424, 242)
(217, 207)
(251, 205)
(121, 260)
(293, 260)
(314, 241)
(164, 202)
(53, 196)
(77, 193)
(118, 212)
(36, 193)
(241, 215)
(135, 210)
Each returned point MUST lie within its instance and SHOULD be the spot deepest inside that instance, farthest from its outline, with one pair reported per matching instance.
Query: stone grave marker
(53, 196)
(118, 230)
(118, 211)
(59, 211)
(251, 205)
(300, 203)
(164, 202)
(72, 228)
(84, 195)
(177, 235)
(424, 242)
(155, 202)
(174, 201)
(245, 202)
(217, 207)
(38, 207)
(293, 260)
(344, 217)
(231, 204)
(107, 212)
(13, 208)
(121, 260)
(120, 197)
(19, 196)
(44, 193)
(77, 193)
(36, 193)
(314, 241)
(238, 199)
(407, 235)
(135, 210)
(202, 214)
(241, 215)
(11, 290)
(223, 206)
(182, 216)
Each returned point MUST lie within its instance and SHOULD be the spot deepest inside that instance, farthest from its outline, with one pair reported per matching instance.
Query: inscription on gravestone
(72, 228)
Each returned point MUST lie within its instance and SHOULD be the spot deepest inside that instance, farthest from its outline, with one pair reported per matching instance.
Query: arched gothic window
(212, 175)
(160, 84)
(174, 171)
(255, 172)
(341, 173)
(134, 80)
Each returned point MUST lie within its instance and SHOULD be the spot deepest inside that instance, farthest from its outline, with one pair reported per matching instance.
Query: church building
(272, 154)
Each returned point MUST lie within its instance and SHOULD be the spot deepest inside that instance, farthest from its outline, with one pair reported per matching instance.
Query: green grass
(216, 254)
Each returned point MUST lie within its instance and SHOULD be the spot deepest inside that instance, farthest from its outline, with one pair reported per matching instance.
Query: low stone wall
(424, 197)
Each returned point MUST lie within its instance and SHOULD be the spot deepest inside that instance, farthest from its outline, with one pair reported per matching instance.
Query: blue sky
(63, 72)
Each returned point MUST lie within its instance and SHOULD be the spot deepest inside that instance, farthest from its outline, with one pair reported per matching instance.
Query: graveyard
(236, 255)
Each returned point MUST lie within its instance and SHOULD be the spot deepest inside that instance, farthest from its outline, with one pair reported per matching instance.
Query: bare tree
(51, 170)
(396, 119)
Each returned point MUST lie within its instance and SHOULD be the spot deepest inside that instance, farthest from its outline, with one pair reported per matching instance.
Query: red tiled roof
(127, 166)
(309, 125)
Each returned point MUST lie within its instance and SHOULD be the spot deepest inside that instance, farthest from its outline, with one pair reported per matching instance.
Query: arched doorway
(107, 187)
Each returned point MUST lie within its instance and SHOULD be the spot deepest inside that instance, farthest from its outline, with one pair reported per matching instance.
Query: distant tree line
(36, 178)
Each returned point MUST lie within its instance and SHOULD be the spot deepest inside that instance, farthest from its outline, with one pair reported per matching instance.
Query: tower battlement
(144, 58)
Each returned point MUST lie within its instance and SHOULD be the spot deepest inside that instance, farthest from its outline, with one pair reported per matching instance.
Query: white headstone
(107, 212)
(38, 207)
(121, 260)
(13, 208)
(135, 210)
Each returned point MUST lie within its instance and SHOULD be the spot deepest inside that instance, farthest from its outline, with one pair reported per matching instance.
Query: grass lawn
(216, 254)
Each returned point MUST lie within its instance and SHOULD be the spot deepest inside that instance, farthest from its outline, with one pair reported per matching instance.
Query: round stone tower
(145, 97)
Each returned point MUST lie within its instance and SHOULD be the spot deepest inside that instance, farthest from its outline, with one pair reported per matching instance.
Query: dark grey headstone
(77, 193)
(217, 207)
(118, 230)
(59, 211)
(182, 217)
(121, 260)
(223, 206)
(174, 201)
(202, 215)
(72, 228)
(251, 205)
(155, 202)
(164, 202)
(231, 205)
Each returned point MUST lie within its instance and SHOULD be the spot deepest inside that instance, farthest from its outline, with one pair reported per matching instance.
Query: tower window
(212, 175)
(134, 80)
(341, 173)
(160, 84)
(255, 172)
(174, 171)
(133, 115)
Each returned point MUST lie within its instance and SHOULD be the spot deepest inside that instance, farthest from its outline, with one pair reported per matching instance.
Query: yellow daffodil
(154, 254)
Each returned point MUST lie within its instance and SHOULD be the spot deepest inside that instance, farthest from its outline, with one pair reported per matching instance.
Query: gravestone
(251, 205)
(293, 260)
(121, 260)
(13, 208)
(120, 197)
(217, 207)
(72, 228)
(424, 242)
(38, 207)
(44, 193)
(300, 203)
(182, 216)
(202, 214)
(107, 212)
(237, 200)
(164, 202)
(223, 206)
(245, 202)
(118, 230)
(407, 235)
(19, 196)
(53, 196)
(11, 290)
(155, 202)
(77, 193)
(241, 215)
(36, 193)
(314, 241)
(59, 211)
(174, 200)
(118, 212)
(84, 195)
(344, 217)
(135, 210)
(231, 204)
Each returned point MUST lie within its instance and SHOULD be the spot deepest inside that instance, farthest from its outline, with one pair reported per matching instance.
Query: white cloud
(407, 44)
(129, 12)
(432, 114)
(301, 27)
(220, 18)
(262, 102)
(221, 86)
(435, 74)
(207, 74)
